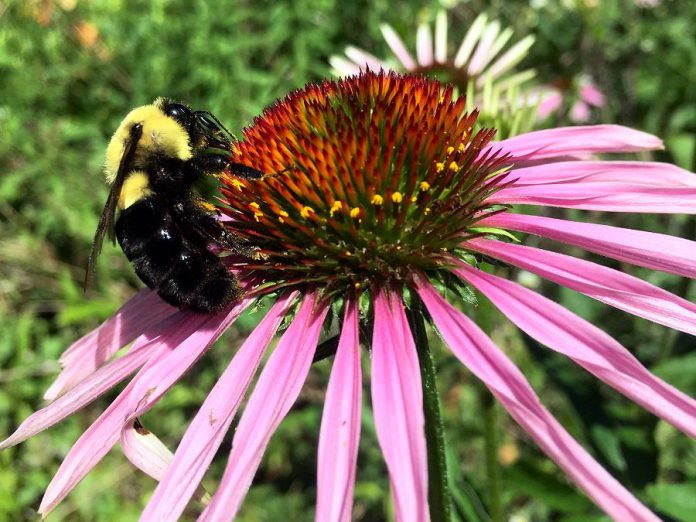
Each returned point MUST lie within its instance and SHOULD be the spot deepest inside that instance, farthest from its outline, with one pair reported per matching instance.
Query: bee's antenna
(210, 116)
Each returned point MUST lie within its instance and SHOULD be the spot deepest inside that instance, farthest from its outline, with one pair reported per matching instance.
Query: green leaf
(676, 500)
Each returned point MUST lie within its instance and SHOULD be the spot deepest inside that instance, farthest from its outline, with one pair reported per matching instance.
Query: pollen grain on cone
(380, 165)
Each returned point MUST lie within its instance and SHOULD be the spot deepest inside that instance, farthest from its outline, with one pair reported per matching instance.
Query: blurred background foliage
(71, 69)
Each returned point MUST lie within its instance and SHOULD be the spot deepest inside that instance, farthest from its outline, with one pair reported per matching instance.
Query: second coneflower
(381, 194)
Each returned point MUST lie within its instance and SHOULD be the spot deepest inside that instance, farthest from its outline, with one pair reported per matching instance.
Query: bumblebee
(152, 162)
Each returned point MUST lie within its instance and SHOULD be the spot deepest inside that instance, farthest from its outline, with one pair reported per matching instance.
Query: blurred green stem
(438, 484)
(488, 405)
(484, 318)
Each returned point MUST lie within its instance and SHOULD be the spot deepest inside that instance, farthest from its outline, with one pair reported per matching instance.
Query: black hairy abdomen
(182, 270)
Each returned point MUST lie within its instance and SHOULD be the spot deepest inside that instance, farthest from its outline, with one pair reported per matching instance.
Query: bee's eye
(177, 111)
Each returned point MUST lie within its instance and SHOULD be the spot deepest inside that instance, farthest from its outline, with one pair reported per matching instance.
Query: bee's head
(169, 129)
(203, 128)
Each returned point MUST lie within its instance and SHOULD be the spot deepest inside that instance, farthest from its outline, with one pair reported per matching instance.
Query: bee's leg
(204, 223)
(244, 171)
(204, 165)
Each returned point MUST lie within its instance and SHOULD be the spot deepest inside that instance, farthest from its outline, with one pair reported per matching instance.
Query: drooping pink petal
(579, 112)
(208, 428)
(511, 57)
(343, 67)
(606, 196)
(609, 286)
(184, 342)
(441, 37)
(483, 54)
(637, 172)
(657, 251)
(87, 390)
(145, 450)
(590, 94)
(561, 330)
(273, 396)
(485, 360)
(398, 47)
(397, 401)
(364, 59)
(551, 102)
(469, 41)
(87, 354)
(340, 426)
(570, 141)
(424, 45)
(498, 44)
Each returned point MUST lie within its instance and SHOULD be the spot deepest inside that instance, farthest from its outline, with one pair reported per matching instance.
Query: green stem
(492, 466)
(438, 486)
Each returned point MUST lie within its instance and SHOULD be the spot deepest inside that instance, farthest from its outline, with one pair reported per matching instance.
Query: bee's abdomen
(185, 274)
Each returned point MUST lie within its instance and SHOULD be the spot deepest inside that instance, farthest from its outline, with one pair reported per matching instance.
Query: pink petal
(484, 51)
(340, 426)
(364, 59)
(512, 57)
(498, 44)
(275, 392)
(144, 450)
(569, 141)
(485, 360)
(398, 48)
(590, 94)
(551, 102)
(87, 390)
(637, 172)
(607, 196)
(657, 251)
(207, 430)
(186, 339)
(609, 286)
(561, 330)
(91, 351)
(579, 112)
(397, 401)
(441, 37)
(343, 67)
(472, 36)
(424, 45)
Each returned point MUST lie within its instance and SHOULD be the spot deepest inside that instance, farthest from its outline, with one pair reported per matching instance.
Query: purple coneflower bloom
(384, 194)
(479, 57)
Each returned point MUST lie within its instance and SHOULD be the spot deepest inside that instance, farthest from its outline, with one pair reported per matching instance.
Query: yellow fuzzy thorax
(161, 134)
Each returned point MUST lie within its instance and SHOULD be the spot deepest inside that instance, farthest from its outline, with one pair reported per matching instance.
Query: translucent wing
(106, 221)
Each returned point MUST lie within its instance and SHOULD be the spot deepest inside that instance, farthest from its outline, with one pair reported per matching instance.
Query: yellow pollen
(397, 197)
(337, 205)
(453, 166)
(254, 204)
(282, 214)
(348, 253)
(439, 167)
(414, 199)
(306, 211)
(257, 215)
(424, 186)
(358, 285)
(450, 150)
(238, 184)
(355, 212)
(427, 210)
(461, 147)
(377, 199)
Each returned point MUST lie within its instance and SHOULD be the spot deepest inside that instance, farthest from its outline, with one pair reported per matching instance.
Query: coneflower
(382, 194)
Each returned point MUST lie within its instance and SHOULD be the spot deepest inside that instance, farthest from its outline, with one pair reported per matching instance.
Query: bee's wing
(106, 221)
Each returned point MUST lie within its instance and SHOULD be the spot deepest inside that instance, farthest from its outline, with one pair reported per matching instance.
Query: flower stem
(492, 467)
(438, 486)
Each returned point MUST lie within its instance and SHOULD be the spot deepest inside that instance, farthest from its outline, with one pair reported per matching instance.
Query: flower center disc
(368, 179)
